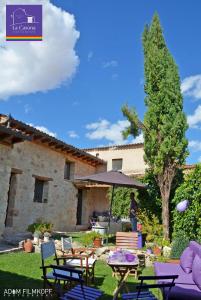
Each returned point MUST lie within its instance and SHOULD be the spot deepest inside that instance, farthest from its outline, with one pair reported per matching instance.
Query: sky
(73, 84)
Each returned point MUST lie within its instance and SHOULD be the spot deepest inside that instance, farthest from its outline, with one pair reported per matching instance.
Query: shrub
(189, 221)
(42, 227)
(178, 245)
(88, 238)
(37, 234)
(150, 226)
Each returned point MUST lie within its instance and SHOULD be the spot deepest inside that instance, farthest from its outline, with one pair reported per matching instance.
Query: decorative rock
(58, 245)
(101, 251)
(37, 249)
(21, 243)
(77, 245)
(149, 260)
(59, 252)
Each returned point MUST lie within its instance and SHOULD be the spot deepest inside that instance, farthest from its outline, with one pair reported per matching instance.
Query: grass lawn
(22, 270)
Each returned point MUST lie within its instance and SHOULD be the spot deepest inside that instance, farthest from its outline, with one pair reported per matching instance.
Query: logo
(24, 22)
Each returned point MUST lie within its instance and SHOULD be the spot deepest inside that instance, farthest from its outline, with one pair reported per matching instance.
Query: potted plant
(92, 239)
(37, 235)
(97, 239)
(157, 248)
(47, 236)
(28, 246)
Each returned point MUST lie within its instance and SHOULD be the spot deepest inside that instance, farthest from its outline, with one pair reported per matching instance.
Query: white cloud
(90, 55)
(191, 86)
(103, 129)
(27, 108)
(195, 145)
(44, 129)
(111, 63)
(138, 139)
(72, 134)
(29, 67)
(194, 119)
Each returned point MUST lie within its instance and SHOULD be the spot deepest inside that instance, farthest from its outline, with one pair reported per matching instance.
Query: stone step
(81, 227)
(15, 238)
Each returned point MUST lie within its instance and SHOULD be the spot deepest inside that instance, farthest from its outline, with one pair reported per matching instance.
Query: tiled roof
(37, 136)
(115, 147)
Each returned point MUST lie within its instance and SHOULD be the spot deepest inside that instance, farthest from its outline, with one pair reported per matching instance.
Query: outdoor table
(121, 271)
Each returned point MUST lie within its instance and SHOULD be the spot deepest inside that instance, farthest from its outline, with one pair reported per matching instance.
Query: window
(69, 170)
(41, 191)
(117, 164)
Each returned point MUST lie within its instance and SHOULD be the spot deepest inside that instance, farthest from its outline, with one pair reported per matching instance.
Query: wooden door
(79, 207)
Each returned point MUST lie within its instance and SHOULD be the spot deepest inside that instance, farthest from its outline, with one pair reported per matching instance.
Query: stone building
(126, 158)
(37, 173)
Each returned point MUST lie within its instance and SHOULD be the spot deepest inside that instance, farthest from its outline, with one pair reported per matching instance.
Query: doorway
(11, 200)
(79, 207)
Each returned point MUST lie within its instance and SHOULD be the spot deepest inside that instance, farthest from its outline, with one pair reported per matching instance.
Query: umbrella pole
(110, 211)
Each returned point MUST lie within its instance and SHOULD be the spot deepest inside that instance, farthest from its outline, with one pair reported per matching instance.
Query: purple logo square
(24, 22)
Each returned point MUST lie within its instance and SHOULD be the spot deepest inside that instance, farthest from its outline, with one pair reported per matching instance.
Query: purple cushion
(196, 271)
(195, 247)
(186, 260)
(185, 288)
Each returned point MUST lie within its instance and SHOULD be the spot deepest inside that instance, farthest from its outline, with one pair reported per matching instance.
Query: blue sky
(94, 64)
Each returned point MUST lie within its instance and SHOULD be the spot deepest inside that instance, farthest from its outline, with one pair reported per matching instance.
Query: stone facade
(27, 161)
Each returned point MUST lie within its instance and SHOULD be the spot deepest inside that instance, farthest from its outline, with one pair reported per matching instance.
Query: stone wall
(5, 168)
(94, 199)
(34, 160)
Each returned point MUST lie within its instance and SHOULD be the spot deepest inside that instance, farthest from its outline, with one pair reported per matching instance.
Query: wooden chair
(52, 279)
(164, 282)
(79, 258)
(80, 291)
(127, 240)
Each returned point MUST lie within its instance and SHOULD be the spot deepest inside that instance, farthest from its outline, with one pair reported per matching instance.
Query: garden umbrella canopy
(114, 178)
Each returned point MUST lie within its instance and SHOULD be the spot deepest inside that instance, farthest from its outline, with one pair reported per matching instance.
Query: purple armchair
(188, 284)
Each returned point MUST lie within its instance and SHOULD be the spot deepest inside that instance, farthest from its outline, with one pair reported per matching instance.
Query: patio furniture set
(175, 281)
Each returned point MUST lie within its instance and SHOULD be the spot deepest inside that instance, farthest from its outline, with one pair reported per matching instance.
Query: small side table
(121, 271)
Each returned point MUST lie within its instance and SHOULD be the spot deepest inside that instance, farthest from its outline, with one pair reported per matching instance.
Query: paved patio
(6, 248)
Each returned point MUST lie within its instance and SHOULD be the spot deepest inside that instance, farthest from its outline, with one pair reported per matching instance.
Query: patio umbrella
(115, 179)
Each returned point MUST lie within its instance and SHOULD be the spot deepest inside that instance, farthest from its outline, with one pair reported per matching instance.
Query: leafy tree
(121, 201)
(189, 221)
(149, 200)
(164, 127)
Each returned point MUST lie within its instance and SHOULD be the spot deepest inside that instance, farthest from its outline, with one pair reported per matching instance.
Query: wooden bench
(127, 240)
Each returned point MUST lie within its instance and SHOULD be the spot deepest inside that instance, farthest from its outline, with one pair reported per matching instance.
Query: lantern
(182, 206)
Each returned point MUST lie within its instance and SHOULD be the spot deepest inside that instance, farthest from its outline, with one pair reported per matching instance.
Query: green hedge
(189, 222)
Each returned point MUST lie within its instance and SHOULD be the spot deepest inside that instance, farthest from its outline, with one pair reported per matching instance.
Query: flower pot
(36, 240)
(157, 251)
(97, 242)
(28, 246)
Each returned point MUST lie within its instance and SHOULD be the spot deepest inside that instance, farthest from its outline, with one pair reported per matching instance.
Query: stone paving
(6, 248)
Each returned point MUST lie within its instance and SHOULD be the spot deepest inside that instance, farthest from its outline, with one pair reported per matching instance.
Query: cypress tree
(164, 126)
